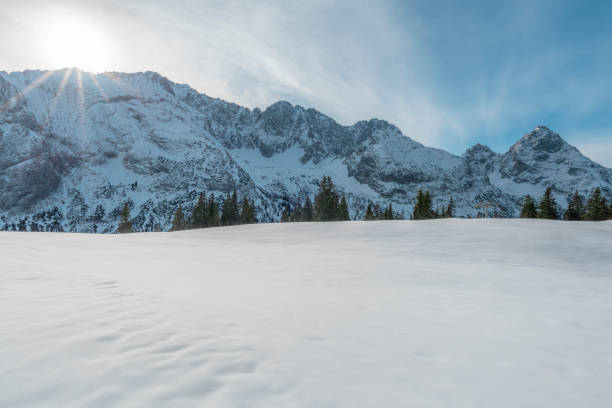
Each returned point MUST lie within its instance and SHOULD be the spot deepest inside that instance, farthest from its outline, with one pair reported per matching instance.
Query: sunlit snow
(444, 313)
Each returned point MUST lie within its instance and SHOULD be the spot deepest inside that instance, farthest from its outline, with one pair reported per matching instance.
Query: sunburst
(73, 43)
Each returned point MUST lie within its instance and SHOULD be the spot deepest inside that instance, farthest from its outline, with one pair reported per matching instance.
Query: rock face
(75, 146)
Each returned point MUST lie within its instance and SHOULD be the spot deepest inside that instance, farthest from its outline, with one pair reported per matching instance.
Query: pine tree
(227, 215)
(596, 208)
(286, 215)
(575, 208)
(450, 209)
(428, 205)
(378, 214)
(178, 222)
(326, 201)
(298, 212)
(369, 214)
(388, 214)
(235, 209)
(423, 206)
(199, 216)
(343, 212)
(125, 225)
(547, 209)
(247, 214)
(529, 208)
(212, 212)
(308, 210)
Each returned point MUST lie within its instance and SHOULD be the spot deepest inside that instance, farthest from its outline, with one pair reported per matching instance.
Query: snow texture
(443, 313)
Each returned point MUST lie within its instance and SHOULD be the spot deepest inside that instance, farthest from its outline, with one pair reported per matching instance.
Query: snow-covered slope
(443, 313)
(75, 146)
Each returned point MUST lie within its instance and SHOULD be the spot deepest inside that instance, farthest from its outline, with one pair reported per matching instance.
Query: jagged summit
(541, 139)
(74, 147)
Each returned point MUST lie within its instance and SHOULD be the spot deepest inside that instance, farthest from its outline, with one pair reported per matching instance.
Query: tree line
(423, 208)
(593, 209)
(330, 205)
(206, 213)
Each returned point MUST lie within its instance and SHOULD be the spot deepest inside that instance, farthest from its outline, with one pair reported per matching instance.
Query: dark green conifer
(596, 208)
(235, 209)
(307, 212)
(575, 208)
(450, 209)
(247, 214)
(286, 214)
(369, 214)
(199, 216)
(212, 212)
(178, 222)
(298, 212)
(547, 209)
(388, 214)
(326, 201)
(423, 206)
(343, 212)
(227, 212)
(529, 208)
(125, 225)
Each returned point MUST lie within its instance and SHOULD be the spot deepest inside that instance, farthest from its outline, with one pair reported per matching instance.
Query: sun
(72, 43)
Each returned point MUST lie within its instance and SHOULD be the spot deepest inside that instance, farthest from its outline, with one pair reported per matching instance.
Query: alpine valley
(74, 147)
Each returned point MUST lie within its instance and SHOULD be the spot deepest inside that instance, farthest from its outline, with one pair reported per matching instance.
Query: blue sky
(449, 74)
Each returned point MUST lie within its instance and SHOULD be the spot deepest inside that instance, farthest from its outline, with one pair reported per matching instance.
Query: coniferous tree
(388, 214)
(286, 214)
(235, 209)
(178, 222)
(378, 214)
(212, 212)
(450, 209)
(226, 212)
(199, 216)
(125, 225)
(428, 205)
(575, 208)
(298, 212)
(369, 214)
(343, 212)
(423, 206)
(326, 201)
(529, 208)
(547, 209)
(247, 214)
(308, 210)
(596, 208)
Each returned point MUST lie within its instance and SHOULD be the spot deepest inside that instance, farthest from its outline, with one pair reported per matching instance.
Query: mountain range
(75, 146)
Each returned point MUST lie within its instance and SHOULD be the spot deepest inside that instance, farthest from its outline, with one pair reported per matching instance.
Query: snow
(443, 313)
(73, 134)
(286, 169)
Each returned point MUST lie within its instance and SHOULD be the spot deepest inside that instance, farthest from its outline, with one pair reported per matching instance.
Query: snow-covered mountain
(75, 146)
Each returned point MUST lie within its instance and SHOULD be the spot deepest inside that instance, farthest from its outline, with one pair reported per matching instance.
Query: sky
(449, 74)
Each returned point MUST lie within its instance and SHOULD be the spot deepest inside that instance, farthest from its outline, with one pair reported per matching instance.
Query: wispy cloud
(597, 146)
(448, 74)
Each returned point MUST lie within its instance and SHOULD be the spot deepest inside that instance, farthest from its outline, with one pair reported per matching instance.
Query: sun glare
(75, 44)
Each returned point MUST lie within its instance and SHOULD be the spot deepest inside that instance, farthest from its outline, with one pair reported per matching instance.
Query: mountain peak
(541, 139)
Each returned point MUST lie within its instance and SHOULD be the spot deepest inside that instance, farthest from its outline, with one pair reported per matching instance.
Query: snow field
(442, 313)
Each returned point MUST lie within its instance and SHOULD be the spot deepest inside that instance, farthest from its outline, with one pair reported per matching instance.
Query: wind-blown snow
(444, 313)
